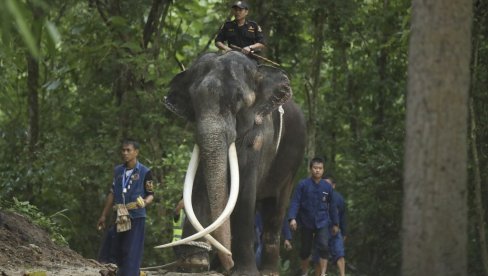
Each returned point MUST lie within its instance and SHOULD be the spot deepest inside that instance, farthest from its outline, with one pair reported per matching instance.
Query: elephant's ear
(178, 99)
(274, 86)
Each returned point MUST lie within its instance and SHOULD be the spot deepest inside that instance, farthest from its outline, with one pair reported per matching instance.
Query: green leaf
(118, 21)
(133, 45)
(53, 32)
(24, 30)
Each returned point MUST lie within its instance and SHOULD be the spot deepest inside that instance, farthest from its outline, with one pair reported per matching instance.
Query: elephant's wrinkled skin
(230, 98)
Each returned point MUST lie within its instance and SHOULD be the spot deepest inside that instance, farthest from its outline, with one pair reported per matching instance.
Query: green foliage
(49, 223)
(18, 12)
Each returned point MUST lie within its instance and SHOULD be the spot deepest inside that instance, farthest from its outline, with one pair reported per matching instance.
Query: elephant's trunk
(214, 161)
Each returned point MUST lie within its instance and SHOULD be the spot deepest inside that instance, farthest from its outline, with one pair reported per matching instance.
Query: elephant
(248, 131)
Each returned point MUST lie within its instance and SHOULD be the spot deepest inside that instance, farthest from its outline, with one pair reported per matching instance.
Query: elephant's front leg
(243, 228)
(272, 214)
(193, 257)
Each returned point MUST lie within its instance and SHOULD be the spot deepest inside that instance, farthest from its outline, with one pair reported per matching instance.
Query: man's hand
(293, 224)
(335, 230)
(101, 223)
(287, 245)
(224, 48)
(140, 202)
(179, 206)
(247, 50)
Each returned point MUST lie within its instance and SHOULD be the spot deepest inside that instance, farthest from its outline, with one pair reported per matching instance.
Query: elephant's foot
(193, 264)
(271, 257)
(192, 258)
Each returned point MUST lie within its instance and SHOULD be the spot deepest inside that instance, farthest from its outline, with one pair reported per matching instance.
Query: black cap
(240, 4)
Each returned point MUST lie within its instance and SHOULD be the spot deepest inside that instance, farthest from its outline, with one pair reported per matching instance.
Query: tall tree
(33, 89)
(479, 208)
(313, 83)
(435, 202)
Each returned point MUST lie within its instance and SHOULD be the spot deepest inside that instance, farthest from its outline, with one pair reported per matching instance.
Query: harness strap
(282, 111)
(129, 206)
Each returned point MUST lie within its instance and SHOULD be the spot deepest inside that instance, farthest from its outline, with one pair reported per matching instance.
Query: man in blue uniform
(312, 204)
(240, 32)
(131, 192)
(258, 238)
(336, 243)
(286, 234)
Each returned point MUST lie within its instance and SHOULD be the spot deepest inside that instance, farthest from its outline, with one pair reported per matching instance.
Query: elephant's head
(225, 96)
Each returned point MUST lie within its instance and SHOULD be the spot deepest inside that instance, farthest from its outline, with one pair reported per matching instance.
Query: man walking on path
(313, 205)
(336, 243)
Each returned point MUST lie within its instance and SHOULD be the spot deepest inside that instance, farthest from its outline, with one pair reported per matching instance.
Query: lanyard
(125, 181)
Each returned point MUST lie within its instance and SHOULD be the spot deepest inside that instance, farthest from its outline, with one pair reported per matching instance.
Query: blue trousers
(336, 245)
(106, 253)
(130, 248)
(336, 249)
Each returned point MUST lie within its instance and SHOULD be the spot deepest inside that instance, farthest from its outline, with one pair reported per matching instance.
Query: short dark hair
(130, 141)
(328, 176)
(316, 160)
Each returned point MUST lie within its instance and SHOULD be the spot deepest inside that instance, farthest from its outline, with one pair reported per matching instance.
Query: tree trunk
(33, 102)
(315, 81)
(382, 64)
(480, 211)
(435, 203)
(33, 95)
(346, 85)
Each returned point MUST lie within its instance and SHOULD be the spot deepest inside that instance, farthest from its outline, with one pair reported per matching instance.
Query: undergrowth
(44, 221)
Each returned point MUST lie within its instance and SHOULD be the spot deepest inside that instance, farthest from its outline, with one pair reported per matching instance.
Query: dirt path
(61, 270)
(26, 248)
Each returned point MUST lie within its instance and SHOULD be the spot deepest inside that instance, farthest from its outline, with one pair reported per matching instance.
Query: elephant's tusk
(187, 194)
(187, 191)
(234, 192)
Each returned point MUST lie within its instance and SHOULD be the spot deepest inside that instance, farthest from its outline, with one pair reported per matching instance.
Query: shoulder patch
(149, 186)
(255, 25)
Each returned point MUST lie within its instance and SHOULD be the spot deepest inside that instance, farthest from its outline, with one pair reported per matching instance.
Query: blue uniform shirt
(285, 230)
(313, 205)
(341, 210)
(138, 183)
